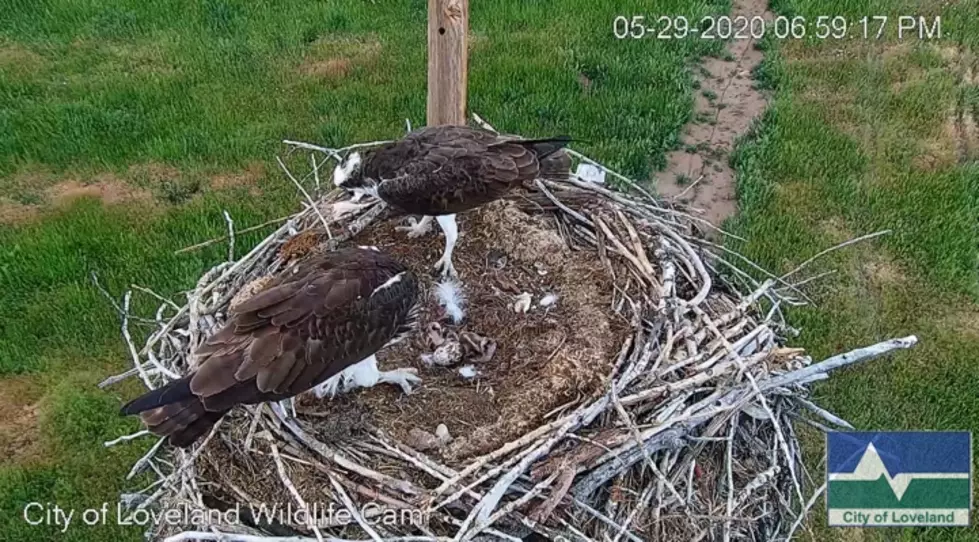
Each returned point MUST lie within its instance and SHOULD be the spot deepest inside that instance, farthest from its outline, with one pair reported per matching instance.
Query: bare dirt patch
(544, 358)
(248, 178)
(106, 187)
(20, 440)
(14, 212)
(153, 173)
(331, 58)
(963, 118)
(882, 269)
(699, 174)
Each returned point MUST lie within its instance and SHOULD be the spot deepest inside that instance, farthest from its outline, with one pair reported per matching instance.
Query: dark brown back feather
(450, 169)
(310, 323)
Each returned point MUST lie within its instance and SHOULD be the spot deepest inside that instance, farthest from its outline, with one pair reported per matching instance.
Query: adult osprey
(444, 170)
(318, 322)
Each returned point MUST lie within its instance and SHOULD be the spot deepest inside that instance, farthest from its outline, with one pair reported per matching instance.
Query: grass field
(176, 110)
(861, 137)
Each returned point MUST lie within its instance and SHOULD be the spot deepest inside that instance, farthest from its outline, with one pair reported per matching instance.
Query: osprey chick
(320, 321)
(444, 170)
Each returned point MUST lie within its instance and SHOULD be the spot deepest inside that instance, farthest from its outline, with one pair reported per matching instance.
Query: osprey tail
(555, 164)
(543, 148)
(173, 411)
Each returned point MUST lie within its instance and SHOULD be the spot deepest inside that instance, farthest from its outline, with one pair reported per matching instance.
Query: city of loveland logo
(899, 478)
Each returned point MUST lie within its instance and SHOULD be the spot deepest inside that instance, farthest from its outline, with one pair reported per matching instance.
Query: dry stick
(510, 507)
(804, 511)
(730, 476)
(126, 438)
(306, 195)
(145, 290)
(840, 360)
(187, 463)
(687, 189)
(605, 519)
(353, 509)
(231, 236)
(480, 462)
(281, 469)
(224, 237)
(326, 453)
(129, 342)
(634, 237)
(583, 416)
(316, 171)
(831, 249)
(634, 431)
(143, 461)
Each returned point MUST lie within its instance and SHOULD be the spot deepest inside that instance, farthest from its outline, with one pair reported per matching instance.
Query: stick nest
(654, 400)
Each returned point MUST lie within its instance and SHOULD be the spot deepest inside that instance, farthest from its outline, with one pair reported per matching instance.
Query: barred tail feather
(173, 411)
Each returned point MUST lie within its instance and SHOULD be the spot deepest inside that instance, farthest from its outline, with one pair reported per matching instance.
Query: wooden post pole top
(448, 28)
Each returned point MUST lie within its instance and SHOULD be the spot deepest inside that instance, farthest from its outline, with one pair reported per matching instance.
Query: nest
(655, 399)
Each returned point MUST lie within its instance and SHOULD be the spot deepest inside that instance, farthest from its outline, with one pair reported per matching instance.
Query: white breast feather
(452, 298)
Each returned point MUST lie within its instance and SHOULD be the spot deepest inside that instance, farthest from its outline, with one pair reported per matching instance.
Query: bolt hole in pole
(441, 30)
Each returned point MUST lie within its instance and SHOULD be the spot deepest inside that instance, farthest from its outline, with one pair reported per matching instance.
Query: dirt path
(726, 103)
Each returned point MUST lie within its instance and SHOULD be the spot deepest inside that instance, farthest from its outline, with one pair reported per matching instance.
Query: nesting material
(655, 400)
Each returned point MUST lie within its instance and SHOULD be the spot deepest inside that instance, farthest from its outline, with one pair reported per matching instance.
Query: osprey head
(347, 174)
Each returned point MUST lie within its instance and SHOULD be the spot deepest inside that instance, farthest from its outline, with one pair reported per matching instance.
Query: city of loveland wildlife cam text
(742, 27)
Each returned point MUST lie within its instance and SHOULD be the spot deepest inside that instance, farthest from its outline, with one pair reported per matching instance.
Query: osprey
(444, 170)
(316, 323)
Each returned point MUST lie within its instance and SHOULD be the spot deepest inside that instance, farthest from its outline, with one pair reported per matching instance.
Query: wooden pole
(448, 28)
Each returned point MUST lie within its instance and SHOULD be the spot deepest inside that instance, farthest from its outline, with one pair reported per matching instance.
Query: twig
(231, 236)
(822, 253)
(306, 195)
(224, 237)
(126, 438)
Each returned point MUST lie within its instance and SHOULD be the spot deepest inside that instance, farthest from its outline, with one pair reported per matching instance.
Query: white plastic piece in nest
(522, 303)
(590, 173)
(448, 354)
(468, 372)
(548, 300)
(452, 298)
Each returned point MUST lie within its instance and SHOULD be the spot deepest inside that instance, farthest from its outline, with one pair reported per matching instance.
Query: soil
(331, 58)
(703, 160)
(247, 178)
(20, 441)
(105, 187)
(544, 358)
(14, 212)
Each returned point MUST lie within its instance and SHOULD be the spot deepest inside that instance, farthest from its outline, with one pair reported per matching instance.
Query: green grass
(110, 82)
(163, 95)
(855, 146)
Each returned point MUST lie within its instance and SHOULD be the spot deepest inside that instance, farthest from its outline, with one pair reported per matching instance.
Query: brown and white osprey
(318, 323)
(444, 170)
